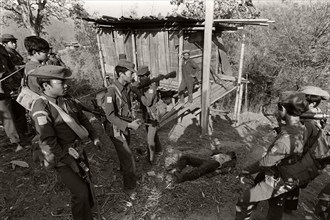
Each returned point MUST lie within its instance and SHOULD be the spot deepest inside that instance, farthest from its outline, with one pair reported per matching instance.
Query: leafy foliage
(35, 14)
(222, 8)
(291, 53)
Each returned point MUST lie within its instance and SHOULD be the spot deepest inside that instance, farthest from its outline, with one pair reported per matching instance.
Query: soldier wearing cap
(13, 115)
(189, 71)
(10, 42)
(117, 105)
(56, 136)
(148, 99)
(288, 143)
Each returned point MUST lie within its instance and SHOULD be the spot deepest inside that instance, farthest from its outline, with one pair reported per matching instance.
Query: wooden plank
(180, 55)
(218, 92)
(153, 53)
(101, 59)
(209, 8)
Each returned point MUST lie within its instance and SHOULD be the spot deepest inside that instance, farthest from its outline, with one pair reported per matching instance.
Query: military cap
(7, 37)
(143, 70)
(122, 56)
(316, 91)
(186, 51)
(127, 64)
(294, 102)
(51, 72)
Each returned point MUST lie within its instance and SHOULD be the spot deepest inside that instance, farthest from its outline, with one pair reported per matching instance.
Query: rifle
(157, 79)
(86, 176)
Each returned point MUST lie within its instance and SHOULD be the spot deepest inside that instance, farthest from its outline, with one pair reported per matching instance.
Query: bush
(292, 52)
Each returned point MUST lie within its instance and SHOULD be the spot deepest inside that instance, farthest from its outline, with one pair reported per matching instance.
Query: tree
(36, 14)
(222, 8)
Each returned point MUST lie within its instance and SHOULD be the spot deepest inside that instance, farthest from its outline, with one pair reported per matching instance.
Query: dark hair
(41, 81)
(35, 43)
(313, 98)
(120, 69)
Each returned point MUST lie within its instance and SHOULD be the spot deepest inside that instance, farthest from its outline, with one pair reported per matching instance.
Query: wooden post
(101, 59)
(206, 65)
(239, 91)
(246, 105)
(134, 53)
(180, 55)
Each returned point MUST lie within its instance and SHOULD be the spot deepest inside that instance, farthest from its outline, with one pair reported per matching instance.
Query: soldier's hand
(135, 124)
(97, 143)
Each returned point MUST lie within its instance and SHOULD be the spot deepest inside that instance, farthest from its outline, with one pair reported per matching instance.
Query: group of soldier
(60, 125)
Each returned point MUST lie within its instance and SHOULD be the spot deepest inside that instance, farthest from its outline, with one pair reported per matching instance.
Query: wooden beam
(239, 91)
(180, 56)
(101, 59)
(209, 9)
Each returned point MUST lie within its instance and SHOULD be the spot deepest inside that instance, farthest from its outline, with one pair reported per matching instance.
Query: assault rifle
(157, 79)
(86, 176)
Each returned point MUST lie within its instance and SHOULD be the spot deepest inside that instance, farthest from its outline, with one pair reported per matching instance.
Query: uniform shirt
(148, 99)
(15, 57)
(189, 69)
(288, 142)
(54, 134)
(6, 68)
(32, 80)
(115, 106)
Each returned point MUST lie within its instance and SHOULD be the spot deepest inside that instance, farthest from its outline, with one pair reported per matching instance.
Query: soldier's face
(128, 76)
(186, 56)
(12, 44)
(57, 88)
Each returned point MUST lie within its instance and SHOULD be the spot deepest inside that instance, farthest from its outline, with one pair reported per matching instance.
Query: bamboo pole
(101, 60)
(246, 103)
(239, 92)
(209, 4)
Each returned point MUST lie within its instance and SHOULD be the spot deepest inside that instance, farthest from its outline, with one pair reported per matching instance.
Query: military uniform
(55, 137)
(118, 104)
(189, 70)
(288, 144)
(10, 120)
(148, 99)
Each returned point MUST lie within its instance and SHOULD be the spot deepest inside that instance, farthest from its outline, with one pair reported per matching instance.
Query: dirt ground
(34, 193)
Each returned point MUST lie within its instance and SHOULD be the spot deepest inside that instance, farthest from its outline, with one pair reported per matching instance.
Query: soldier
(15, 132)
(289, 201)
(149, 100)
(56, 135)
(38, 50)
(281, 159)
(117, 104)
(189, 70)
(10, 42)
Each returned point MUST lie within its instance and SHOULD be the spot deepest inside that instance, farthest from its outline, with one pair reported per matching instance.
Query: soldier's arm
(194, 65)
(148, 97)
(110, 100)
(43, 122)
(85, 122)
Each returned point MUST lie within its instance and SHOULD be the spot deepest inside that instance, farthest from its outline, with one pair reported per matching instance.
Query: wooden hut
(159, 41)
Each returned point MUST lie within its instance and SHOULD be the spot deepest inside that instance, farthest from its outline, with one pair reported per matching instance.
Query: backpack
(158, 110)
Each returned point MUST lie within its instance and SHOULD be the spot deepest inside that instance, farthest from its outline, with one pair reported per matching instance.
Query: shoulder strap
(78, 129)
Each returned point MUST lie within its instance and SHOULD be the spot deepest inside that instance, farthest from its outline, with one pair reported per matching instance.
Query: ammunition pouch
(299, 170)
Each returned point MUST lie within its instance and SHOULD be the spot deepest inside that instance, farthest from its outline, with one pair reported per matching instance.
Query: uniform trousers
(322, 208)
(201, 167)
(20, 120)
(154, 145)
(81, 201)
(126, 159)
(189, 84)
(7, 116)
(277, 205)
(263, 190)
